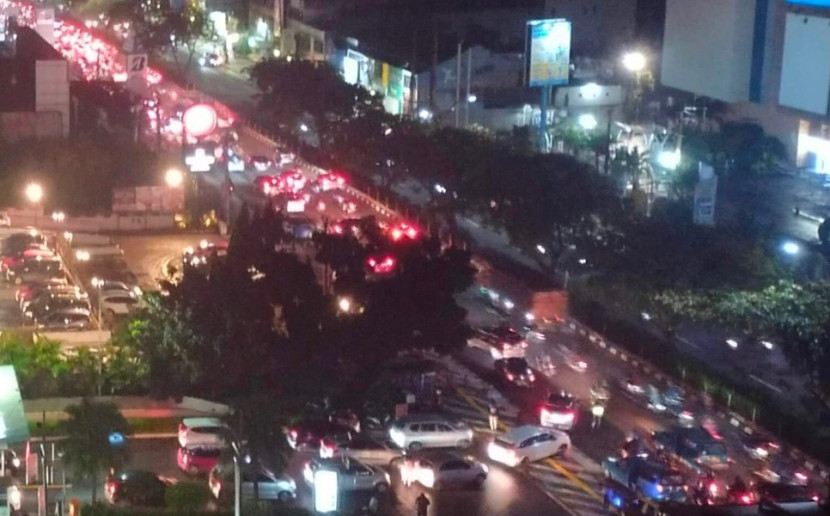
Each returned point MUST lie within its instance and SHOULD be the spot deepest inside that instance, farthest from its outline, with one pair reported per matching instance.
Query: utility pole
(467, 97)
(458, 86)
(433, 75)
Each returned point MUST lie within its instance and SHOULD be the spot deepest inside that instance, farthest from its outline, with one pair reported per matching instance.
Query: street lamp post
(635, 62)
(98, 284)
(237, 480)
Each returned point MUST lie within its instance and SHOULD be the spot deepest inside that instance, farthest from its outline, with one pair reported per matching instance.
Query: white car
(269, 486)
(202, 431)
(117, 302)
(425, 431)
(443, 470)
(352, 475)
(528, 443)
(5, 220)
(364, 449)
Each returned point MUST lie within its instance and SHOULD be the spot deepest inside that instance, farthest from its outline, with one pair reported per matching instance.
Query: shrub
(187, 497)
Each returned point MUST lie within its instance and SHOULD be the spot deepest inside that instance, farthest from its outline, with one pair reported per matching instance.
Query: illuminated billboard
(814, 3)
(548, 52)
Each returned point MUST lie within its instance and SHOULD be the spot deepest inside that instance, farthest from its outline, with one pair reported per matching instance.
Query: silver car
(424, 431)
(270, 486)
(528, 443)
(352, 475)
(443, 470)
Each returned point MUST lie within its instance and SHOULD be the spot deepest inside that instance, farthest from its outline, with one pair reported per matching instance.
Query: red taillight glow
(110, 488)
(816, 498)
(801, 476)
(293, 434)
(397, 234)
(746, 499)
(510, 376)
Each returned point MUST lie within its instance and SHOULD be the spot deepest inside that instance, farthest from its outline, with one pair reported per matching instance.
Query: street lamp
(790, 248)
(34, 194)
(634, 61)
(344, 304)
(99, 285)
(588, 121)
(174, 178)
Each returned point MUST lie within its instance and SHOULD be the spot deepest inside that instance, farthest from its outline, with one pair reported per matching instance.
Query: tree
(290, 89)
(161, 28)
(187, 497)
(87, 447)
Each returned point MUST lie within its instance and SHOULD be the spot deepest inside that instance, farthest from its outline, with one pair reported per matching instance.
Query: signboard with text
(548, 52)
(136, 64)
(148, 199)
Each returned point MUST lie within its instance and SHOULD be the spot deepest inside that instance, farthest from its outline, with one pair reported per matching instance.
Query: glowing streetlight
(634, 61)
(790, 248)
(303, 128)
(344, 304)
(588, 121)
(34, 192)
(174, 178)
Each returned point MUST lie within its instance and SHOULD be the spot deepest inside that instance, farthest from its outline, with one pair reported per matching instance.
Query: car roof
(197, 422)
(520, 433)
(424, 418)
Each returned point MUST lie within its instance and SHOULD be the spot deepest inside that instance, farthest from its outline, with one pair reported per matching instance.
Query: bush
(104, 509)
(187, 497)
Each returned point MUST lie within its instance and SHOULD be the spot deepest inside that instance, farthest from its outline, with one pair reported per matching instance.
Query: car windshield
(560, 401)
(518, 365)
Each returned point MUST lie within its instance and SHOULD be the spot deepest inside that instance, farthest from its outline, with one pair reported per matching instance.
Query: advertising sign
(706, 192)
(814, 3)
(148, 199)
(200, 161)
(548, 52)
(325, 490)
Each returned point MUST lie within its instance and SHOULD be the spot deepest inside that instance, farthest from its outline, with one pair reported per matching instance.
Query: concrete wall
(112, 223)
(31, 125)
(52, 89)
(707, 47)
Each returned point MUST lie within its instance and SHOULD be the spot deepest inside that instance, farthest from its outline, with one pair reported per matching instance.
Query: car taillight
(746, 499)
(544, 412)
(293, 434)
(110, 488)
(816, 498)
(524, 344)
(185, 458)
(510, 376)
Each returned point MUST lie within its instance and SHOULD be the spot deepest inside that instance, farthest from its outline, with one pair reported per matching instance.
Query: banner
(548, 52)
(706, 192)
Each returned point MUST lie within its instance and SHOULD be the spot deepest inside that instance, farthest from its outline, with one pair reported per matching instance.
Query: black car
(19, 242)
(783, 498)
(55, 301)
(137, 487)
(35, 270)
(515, 370)
(307, 435)
(72, 319)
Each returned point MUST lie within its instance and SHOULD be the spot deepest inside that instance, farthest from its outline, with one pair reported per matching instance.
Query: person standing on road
(422, 504)
(494, 416)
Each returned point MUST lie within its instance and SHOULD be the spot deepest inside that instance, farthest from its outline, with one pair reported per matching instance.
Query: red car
(330, 181)
(26, 291)
(292, 181)
(14, 260)
(197, 460)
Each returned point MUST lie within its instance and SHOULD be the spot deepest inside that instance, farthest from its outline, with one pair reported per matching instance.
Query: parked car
(19, 242)
(203, 431)
(652, 479)
(365, 449)
(528, 444)
(136, 487)
(437, 471)
(308, 434)
(57, 286)
(515, 371)
(26, 292)
(13, 260)
(198, 460)
(72, 319)
(54, 301)
(352, 475)
(269, 486)
(117, 302)
(559, 410)
(5, 220)
(782, 498)
(428, 431)
(35, 270)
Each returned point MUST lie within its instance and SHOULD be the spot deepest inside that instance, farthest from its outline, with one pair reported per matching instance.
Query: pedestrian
(494, 416)
(597, 411)
(422, 504)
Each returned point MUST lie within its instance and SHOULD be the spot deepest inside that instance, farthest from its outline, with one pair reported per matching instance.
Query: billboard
(805, 66)
(548, 52)
(153, 199)
(814, 3)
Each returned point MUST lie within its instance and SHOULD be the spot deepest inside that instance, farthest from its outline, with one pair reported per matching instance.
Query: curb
(734, 419)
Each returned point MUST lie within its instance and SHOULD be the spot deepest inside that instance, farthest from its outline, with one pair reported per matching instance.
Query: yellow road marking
(551, 462)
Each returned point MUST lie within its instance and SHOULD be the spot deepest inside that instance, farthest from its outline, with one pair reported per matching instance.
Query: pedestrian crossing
(574, 481)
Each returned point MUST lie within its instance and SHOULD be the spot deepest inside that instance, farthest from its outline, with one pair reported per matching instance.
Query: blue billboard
(548, 52)
(813, 3)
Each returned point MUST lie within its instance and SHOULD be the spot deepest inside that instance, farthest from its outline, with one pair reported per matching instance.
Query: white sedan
(528, 444)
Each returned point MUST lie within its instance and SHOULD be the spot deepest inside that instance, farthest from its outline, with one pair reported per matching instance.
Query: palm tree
(88, 449)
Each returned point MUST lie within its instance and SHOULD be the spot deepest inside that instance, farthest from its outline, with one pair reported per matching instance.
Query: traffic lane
(148, 256)
(629, 413)
(506, 492)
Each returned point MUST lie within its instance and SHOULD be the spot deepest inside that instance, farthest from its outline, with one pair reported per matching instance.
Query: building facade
(34, 80)
(769, 59)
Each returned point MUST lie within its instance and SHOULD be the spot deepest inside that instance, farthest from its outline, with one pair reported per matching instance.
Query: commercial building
(34, 79)
(769, 59)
